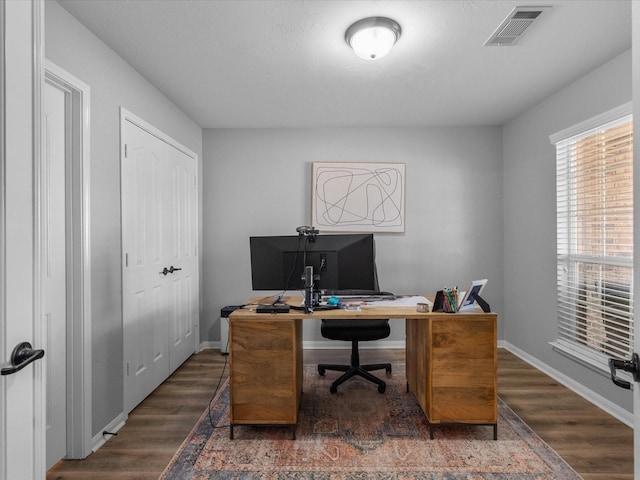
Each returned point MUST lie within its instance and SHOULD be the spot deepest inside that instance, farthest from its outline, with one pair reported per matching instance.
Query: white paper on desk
(409, 301)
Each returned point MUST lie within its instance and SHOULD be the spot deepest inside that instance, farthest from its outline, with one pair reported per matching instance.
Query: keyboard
(357, 295)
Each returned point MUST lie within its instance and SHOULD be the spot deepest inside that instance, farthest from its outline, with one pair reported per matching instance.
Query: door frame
(78, 235)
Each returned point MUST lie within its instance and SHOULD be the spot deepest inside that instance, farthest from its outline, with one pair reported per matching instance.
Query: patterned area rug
(361, 434)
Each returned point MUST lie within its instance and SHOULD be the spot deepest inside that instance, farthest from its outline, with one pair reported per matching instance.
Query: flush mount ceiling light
(372, 38)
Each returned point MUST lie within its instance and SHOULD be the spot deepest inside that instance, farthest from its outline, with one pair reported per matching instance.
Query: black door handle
(632, 366)
(171, 269)
(22, 356)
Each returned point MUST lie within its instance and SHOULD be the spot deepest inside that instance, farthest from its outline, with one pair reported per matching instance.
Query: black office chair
(355, 331)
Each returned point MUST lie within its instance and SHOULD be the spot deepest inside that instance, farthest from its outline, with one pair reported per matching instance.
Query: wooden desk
(451, 362)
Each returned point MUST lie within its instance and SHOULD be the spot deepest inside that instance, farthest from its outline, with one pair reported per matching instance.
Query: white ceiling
(284, 63)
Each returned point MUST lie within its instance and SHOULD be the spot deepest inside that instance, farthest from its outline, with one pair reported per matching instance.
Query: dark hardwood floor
(594, 443)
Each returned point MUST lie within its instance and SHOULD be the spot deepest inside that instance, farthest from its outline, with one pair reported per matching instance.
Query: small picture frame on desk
(470, 296)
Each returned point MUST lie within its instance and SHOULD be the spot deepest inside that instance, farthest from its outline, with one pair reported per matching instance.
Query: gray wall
(530, 216)
(258, 182)
(113, 84)
(499, 221)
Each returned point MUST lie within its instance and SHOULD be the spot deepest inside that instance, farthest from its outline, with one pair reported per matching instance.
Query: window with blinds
(595, 240)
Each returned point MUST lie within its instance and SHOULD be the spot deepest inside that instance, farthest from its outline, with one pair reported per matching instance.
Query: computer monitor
(340, 262)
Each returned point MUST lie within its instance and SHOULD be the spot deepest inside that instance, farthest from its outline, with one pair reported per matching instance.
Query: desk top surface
(365, 312)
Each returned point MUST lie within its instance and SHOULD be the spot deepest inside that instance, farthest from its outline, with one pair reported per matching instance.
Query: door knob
(22, 356)
(632, 366)
(171, 269)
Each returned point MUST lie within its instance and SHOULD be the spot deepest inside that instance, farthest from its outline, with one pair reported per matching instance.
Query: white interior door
(53, 267)
(146, 296)
(181, 253)
(160, 274)
(22, 444)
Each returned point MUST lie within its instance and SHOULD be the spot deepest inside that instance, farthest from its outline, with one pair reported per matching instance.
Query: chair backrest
(359, 330)
(348, 330)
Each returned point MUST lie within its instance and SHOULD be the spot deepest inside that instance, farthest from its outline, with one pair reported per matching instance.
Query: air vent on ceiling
(514, 26)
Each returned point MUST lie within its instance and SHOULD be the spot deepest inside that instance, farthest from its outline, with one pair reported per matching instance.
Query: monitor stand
(309, 302)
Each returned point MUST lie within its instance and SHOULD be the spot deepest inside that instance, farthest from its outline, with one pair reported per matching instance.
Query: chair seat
(355, 331)
(350, 330)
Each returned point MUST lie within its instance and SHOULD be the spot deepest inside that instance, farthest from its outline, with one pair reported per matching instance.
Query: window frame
(584, 354)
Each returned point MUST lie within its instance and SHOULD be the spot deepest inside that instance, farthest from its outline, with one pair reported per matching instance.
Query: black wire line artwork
(359, 197)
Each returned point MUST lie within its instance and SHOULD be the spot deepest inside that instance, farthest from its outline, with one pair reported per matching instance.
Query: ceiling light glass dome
(372, 38)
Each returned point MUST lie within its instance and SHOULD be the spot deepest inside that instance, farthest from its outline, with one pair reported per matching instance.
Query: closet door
(181, 254)
(160, 268)
(146, 290)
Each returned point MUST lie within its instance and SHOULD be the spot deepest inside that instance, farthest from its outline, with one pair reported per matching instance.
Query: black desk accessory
(278, 308)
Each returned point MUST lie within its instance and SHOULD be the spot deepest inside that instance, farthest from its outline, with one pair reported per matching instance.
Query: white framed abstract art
(358, 197)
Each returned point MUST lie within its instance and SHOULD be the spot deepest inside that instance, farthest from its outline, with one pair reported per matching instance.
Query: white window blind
(595, 239)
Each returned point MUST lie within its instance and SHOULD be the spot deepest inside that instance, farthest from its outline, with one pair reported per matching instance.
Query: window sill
(593, 361)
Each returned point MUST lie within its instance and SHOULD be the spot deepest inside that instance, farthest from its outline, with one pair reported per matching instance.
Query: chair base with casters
(355, 331)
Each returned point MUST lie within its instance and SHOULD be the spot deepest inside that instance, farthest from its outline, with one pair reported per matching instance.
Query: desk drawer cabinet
(265, 363)
(452, 367)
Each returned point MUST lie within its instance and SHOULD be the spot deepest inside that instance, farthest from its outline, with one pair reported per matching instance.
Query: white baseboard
(113, 427)
(598, 400)
(209, 345)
